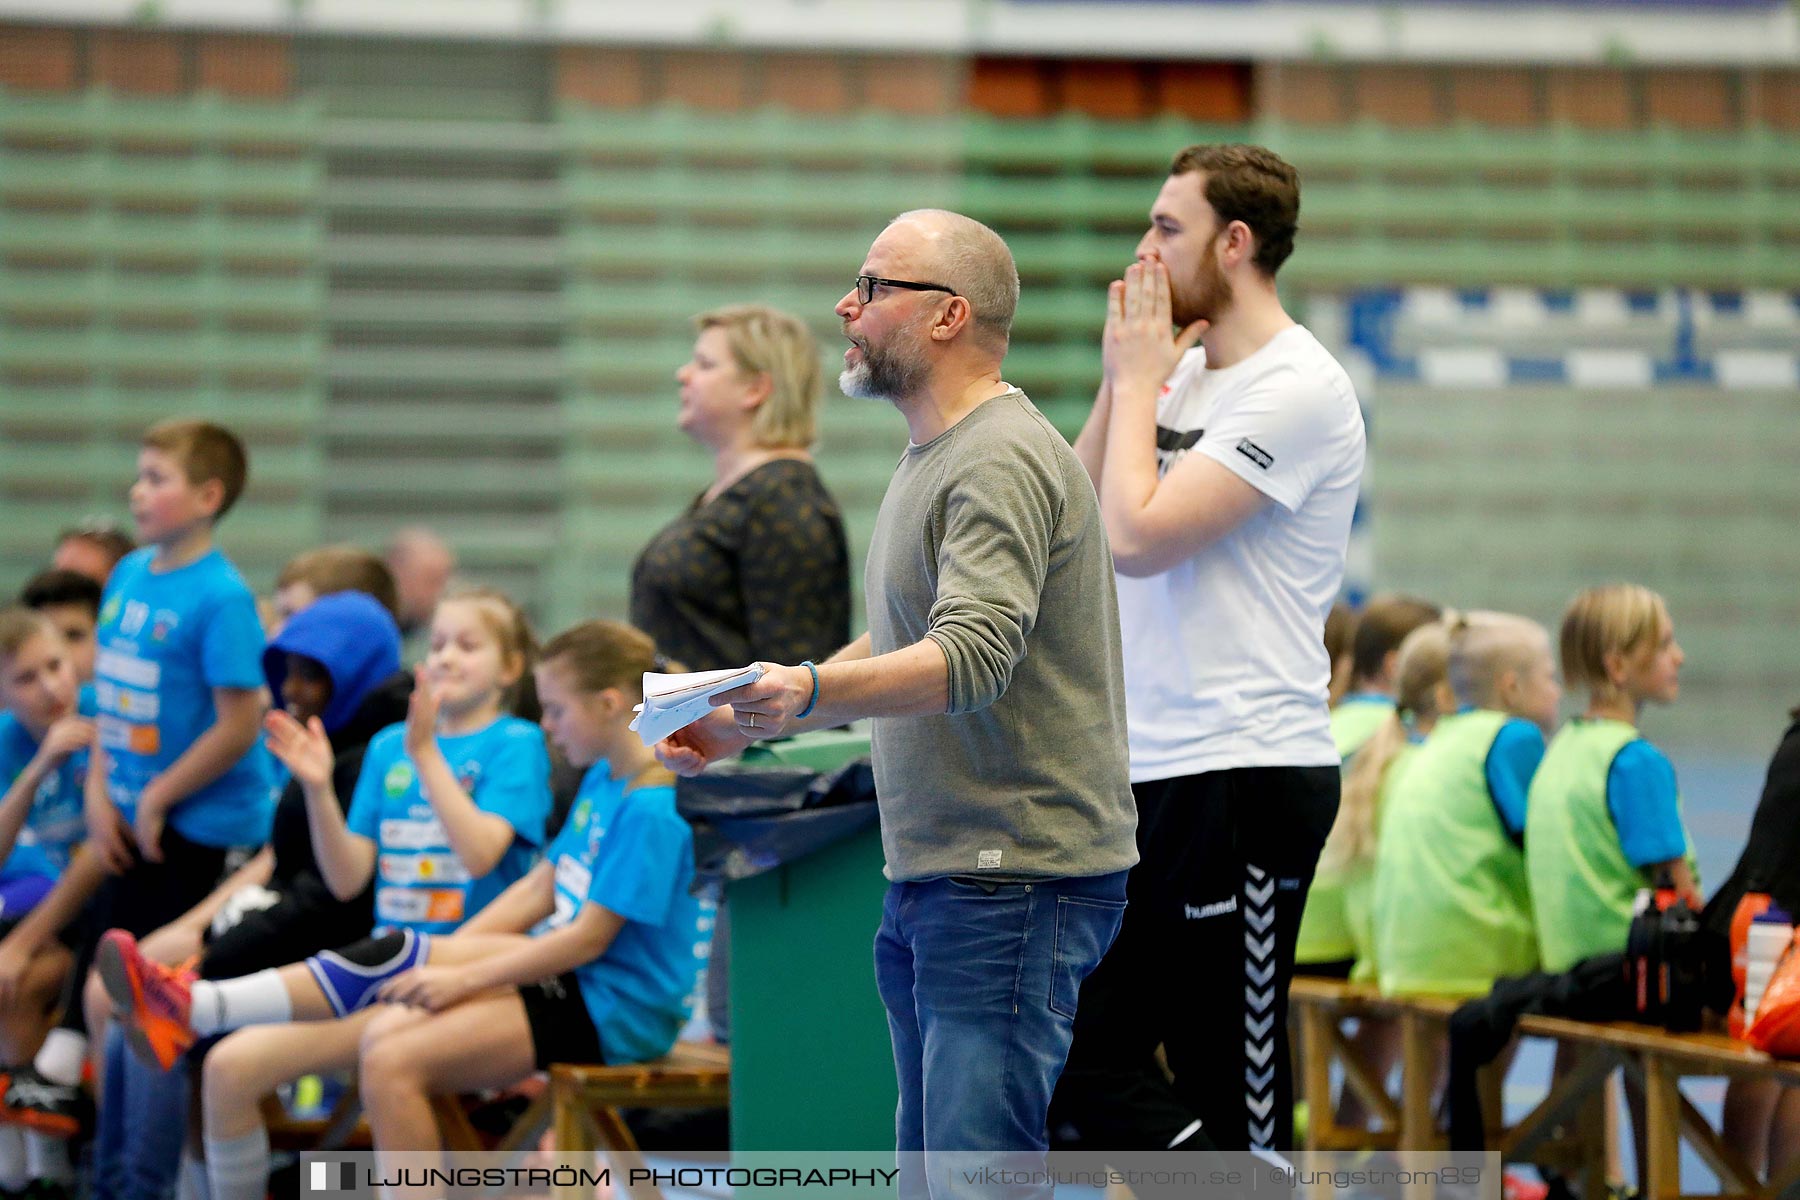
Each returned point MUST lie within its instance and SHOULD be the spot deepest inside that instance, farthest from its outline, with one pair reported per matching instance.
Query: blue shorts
(19, 894)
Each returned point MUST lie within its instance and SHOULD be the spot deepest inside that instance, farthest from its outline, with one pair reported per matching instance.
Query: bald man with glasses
(993, 673)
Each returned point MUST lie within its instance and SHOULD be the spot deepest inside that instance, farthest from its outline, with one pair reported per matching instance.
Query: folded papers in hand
(674, 702)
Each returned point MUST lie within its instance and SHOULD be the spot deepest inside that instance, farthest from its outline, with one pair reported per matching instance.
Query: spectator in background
(72, 602)
(329, 569)
(757, 568)
(93, 548)
(421, 563)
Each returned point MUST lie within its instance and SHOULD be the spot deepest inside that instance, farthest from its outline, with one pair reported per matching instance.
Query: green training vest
(1359, 882)
(1452, 909)
(1324, 934)
(1355, 720)
(1582, 885)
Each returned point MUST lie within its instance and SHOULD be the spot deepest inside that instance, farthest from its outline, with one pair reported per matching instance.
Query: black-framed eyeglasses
(865, 286)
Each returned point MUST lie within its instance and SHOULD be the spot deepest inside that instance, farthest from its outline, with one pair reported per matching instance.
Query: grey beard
(881, 379)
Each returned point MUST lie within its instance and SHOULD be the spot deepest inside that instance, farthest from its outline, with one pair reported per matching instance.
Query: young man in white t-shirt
(1228, 474)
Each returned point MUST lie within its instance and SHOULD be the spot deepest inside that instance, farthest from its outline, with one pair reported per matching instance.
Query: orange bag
(1776, 1029)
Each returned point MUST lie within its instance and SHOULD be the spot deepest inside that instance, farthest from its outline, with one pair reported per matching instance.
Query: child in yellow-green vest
(1324, 945)
(1452, 912)
(1604, 814)
(1421, 696)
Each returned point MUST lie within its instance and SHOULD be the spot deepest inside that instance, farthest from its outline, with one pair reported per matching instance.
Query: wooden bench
(344, 1128)
(1651, 1057)
(583, 1103)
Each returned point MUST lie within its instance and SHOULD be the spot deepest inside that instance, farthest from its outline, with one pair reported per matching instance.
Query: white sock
(47, 1157)
(13, 1172)
(238, 1168)
(259, 999)
(59, 1059)
(191, 1184)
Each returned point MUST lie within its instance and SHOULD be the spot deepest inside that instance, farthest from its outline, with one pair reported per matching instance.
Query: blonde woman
(757, 568)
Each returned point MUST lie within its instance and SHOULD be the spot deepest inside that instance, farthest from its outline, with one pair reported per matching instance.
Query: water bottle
(1770, 932)
(1643, 956)
(1680, 969)
(1752, 902)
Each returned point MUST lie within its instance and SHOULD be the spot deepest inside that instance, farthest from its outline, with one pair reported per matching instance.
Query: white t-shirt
(1225, 663)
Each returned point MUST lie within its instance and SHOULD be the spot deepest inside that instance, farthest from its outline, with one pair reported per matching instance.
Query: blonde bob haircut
(1620, 618)
(767, 341)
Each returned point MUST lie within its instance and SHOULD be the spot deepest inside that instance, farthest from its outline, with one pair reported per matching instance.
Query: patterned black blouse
(760, 572)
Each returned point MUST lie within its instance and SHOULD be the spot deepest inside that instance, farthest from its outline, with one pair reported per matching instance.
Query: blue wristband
(814, 702)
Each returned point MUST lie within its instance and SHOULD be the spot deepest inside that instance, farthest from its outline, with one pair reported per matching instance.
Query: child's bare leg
(25, 1021)
(1784, 1134)
(457, 948)
(409, 1056)
(245, 1067)
(1750, 1106)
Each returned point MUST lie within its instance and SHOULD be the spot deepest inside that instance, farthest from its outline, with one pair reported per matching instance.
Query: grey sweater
(990, 544)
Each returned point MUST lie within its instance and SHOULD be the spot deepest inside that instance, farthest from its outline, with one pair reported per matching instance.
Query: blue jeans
(137, 1145)
(980, 981)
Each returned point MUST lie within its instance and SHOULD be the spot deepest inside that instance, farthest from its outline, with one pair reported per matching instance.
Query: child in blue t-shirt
(604, 977)
(45, 733)
(178, 780)
(1605, 813)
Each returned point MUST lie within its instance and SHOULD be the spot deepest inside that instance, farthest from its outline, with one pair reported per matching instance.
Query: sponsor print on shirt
(417, 906)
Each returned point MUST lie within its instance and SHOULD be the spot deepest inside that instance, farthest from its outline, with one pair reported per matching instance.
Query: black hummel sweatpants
(1200, 968)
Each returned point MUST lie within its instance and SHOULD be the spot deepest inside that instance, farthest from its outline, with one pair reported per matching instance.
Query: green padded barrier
(671, 304)
(390, 364)
(762, 136)
(400, 310)
(96, 115)
(143, 237)
(432, 255)
(710, 250)
(185, 180)
(669, 191)
(157, 350)
(207, 293)
(484, 198)
(425, 480)
(255, 413)
(160, 258)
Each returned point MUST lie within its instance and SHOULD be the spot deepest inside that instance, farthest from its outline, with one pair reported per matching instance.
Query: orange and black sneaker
(59, 1109)
(152, 1001)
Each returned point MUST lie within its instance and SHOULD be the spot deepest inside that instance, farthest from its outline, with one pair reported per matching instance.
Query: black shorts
(561, 1029)
(306, 920)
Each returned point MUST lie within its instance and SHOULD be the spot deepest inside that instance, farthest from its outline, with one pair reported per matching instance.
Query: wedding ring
(751, 723)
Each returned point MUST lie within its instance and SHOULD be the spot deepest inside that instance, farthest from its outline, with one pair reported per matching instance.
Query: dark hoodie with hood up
(356, 641)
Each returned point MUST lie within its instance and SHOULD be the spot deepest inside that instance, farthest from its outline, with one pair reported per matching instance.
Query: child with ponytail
(1421, 696)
